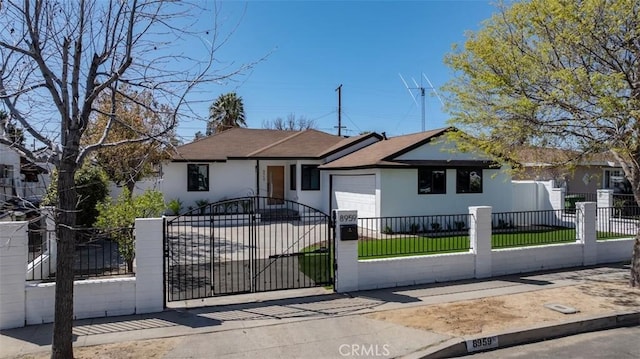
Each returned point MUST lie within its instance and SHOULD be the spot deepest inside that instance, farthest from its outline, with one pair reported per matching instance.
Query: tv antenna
(422, 89)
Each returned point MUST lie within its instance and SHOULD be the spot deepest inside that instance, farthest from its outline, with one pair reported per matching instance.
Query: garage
(355, 192)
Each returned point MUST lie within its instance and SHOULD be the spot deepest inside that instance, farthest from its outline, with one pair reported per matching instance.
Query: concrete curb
(456, 347)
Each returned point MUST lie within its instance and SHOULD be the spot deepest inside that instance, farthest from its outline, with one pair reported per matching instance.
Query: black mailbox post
(348, 232)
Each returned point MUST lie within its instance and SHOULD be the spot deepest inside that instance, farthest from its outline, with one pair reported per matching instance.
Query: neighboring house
(568, 170)
(417, 174)
(20, 180)
(241, 162)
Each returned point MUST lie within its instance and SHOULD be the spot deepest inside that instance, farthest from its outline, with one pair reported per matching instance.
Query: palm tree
(225, 113)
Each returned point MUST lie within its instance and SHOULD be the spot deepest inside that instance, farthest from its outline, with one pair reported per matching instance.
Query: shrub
(201, 203)
(175, 206)
(118, 217)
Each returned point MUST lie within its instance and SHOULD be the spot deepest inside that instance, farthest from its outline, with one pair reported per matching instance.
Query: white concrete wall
(402, 271)
(13, 258)
(614, 250)
(399, 194)
(93, 298)
(532, 195)
(24, 302)
(531, 259)
(481, 261)
(229, 179)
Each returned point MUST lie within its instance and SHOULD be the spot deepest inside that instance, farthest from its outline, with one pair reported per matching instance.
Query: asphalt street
(620, 343)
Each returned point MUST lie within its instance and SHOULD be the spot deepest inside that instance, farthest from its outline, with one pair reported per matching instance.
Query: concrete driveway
(206, 260)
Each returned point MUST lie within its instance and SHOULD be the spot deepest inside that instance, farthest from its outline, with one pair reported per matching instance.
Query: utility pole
(339, 89)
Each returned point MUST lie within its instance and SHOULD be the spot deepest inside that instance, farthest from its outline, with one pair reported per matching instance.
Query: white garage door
(355, 192)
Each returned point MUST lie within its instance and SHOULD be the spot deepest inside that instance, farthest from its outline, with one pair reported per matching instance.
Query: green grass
(316, 265)
(421, 245)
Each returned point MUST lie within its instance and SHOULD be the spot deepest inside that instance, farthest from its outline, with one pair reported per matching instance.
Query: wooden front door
(275, 184)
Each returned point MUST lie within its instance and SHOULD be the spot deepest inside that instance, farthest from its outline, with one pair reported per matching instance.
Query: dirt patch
(494, 314)
(153, 348)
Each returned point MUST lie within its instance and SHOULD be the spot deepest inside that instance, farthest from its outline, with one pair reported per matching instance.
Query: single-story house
(244, 162)
(569, 170)
(418, 174)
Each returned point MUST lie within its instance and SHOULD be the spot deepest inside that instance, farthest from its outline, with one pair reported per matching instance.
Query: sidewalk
(307, 323)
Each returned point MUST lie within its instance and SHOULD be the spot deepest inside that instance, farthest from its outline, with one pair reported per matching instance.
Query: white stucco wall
(402, 271)
(226, 180)
(535, 258)
(399, 194)
(440, 149)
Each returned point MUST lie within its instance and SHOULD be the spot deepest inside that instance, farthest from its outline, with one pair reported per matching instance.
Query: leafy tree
(92, 186)
(129, 113)
(59, 57)
(290, 124)
(554, 73)
(118, 218)
(226, 112)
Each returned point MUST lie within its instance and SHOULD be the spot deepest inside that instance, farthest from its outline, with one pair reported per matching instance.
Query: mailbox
(348, 232)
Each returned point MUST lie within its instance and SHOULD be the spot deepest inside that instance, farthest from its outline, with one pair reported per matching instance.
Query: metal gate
(243, 245)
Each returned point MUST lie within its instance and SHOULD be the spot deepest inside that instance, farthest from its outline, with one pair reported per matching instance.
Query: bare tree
(58, 57)
(292, 123)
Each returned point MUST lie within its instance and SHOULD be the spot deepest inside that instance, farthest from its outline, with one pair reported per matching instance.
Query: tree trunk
(634, 280)
(131, 185)
(62, 346)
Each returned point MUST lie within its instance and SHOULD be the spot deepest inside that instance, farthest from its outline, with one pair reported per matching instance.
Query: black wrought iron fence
(412, 235)
(529, 228)
(617, 222)
(98, 253)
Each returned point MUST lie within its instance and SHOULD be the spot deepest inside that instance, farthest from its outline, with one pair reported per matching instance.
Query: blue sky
(315, 46)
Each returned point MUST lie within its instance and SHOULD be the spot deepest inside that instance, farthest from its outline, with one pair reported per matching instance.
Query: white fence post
(13, 265)
(556, 197)
(480, 235)
(346, 274)
(586, 231)
(149, 258)
(605, 200)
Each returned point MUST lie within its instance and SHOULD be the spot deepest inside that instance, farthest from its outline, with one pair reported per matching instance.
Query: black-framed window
(432, 181)
(292, 177)
(310, 178)
(197, 177)
(469, 180)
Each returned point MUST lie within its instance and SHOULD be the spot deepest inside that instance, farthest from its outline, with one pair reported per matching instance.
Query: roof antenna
(422, 93)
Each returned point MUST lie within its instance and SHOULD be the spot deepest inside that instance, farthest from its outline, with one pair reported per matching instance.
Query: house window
(292, 177)
(469, 180)
(310, 178)
(197, 177)
(616, 180)
(432, 181)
